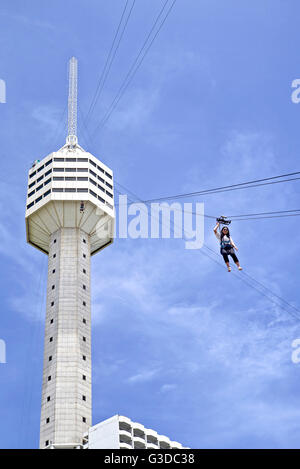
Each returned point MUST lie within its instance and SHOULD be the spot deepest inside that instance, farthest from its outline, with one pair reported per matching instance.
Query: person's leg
(236, 261)
(226, 260)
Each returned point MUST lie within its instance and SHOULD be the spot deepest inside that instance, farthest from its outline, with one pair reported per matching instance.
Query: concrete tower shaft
(67, 395)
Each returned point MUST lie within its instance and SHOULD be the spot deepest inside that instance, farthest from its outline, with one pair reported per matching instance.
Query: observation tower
(70, 216)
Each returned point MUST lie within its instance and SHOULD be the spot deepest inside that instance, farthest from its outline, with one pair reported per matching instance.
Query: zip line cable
(110, 59)
(248, 217)
(263, 213)
(135, 66)
(217, 190)
(282, 303)
(264, 218)
(296, 311)
(92, 105)
(239, 276)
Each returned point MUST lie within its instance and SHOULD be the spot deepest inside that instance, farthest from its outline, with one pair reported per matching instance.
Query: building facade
(119, 432)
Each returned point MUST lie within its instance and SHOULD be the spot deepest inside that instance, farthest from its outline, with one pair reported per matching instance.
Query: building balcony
(125, 437)
(124, 445)
(139, 443)
(152, 446)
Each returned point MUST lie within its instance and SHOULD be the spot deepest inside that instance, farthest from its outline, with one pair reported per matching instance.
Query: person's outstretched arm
(216, 230)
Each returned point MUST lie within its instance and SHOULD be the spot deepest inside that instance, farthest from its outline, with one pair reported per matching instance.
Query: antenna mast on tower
(72, 103)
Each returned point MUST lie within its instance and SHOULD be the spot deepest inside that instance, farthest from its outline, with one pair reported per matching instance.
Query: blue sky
(178, 344)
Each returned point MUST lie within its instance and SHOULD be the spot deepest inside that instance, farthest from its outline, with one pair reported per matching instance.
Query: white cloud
(166, 388)
(28, 21)
(137, 111)
(143, 376)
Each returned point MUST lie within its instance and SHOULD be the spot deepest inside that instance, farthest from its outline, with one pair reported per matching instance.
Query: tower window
(84, 256)
(84, 357)
(82, 190)
(51, 322)
(52, 303)
(84, 398)
(54, 241)
(84, 271)
(48, 399)
(84, 303)
(84, 287)
(84, 419)
(84, 241)
(93, 193)
(54, 255)
(53, 286)
(49, 378)
(84, 377)
(84, 321)
(47, 443)
(50, 358)
(51, 339)
(84, 339)
(53, 271)
(47, 420)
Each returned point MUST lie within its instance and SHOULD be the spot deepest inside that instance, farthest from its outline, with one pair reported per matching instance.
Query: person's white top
(225, 238)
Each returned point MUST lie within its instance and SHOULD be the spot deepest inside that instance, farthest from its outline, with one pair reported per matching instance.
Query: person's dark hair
(223, 234)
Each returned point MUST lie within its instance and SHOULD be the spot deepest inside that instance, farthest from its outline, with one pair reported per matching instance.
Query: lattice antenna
(72, 103)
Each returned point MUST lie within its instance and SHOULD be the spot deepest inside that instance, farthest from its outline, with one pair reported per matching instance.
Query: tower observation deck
(69, 216)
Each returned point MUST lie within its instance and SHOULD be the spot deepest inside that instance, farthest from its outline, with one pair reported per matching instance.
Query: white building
(119, 432)
(69, 217)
